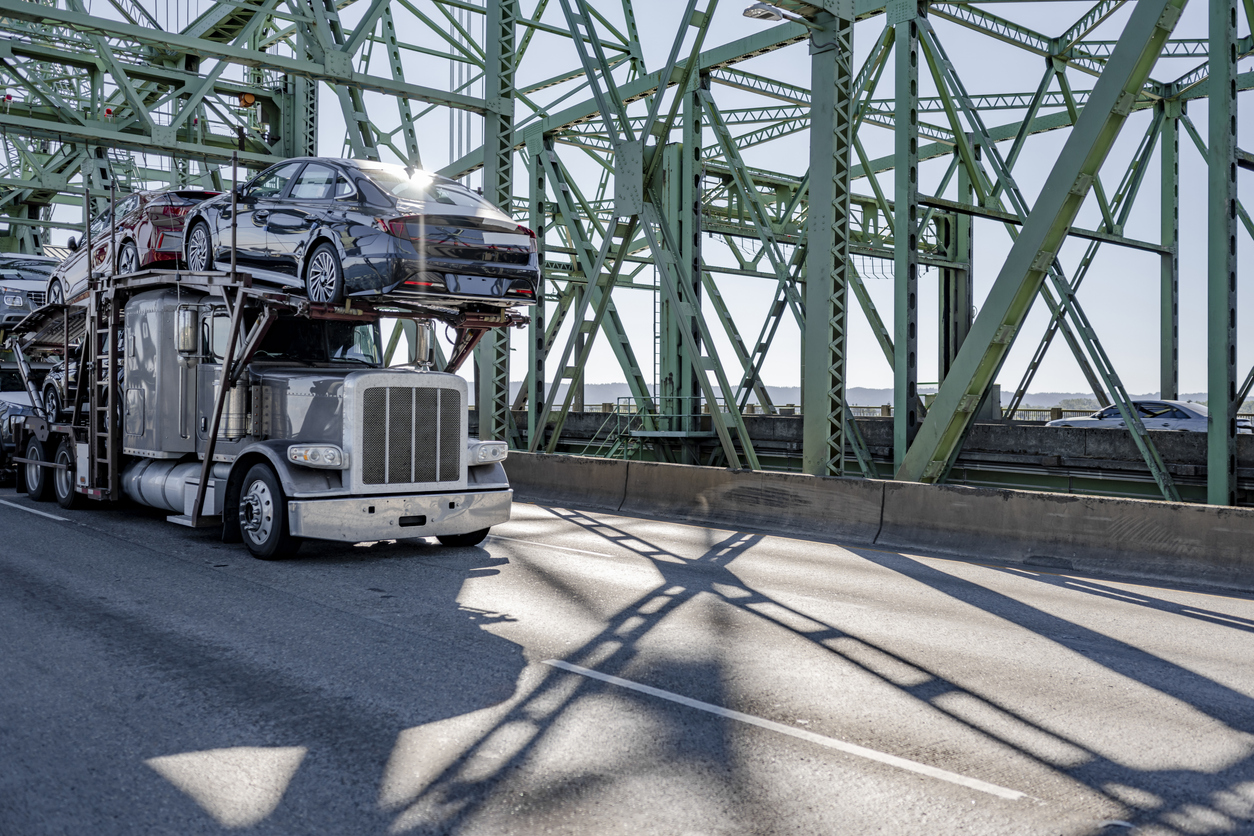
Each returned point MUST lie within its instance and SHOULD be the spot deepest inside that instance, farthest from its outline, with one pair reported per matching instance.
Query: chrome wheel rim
(256, 512)
(54, 293)
(198, 250)
(129, 262)
(50, 404)
(322, 277)
(32, 470)
(64, 478)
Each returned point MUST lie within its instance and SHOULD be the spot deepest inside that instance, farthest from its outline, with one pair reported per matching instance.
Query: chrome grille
(410, 435)
(36, 298)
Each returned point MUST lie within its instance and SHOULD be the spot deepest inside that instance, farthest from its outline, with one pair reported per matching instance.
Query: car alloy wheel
(128, 258)
(324, 278)
(198, 249)
(56, 295)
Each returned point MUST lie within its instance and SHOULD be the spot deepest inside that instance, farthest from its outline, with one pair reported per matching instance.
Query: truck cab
(315, 437)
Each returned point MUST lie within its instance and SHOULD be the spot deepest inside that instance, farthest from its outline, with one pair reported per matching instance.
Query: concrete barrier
(787, 503)
(1127, 537)
(1132, 537)
(577, 481)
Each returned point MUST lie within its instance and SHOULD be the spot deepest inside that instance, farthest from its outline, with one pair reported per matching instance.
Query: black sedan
(337, 228)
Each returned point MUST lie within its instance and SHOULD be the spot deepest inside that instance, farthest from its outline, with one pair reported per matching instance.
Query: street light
(763, 11)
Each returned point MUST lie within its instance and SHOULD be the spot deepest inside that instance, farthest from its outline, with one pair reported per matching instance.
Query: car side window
(1108, 412)
(128, 206)
(343, 188)
(314, 183)
(1180, 414)
(271, 184)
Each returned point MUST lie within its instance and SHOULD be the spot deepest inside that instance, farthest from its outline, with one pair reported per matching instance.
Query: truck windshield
(310, 341)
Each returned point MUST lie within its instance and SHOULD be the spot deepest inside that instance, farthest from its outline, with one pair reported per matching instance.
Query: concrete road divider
(781, 502)
(578, 481)
(1134, 537)
(1128, 537)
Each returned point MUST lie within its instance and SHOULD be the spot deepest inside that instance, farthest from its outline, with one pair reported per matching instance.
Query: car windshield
(27, 269)
(423, 186)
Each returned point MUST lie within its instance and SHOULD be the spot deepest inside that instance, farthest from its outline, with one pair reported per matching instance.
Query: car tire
(38, 481)
(52, 404)
(324, 276)
(128, 258)
(474, 538)
(199, 249)
(63, 480)
(56, 293)
(263, 515)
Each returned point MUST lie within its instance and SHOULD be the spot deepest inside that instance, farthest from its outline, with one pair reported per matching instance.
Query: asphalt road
(591, 674)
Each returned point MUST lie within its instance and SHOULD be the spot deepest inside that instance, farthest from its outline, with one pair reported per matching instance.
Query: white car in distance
(1163, 416)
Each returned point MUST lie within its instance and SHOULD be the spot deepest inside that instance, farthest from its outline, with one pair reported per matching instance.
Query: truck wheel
(38, 483)
(324, 276)
(263, 515)
(474, 538)
(63, 480)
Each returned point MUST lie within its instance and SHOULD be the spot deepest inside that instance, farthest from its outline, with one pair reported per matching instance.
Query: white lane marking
(33, 511)
(829, 742)
(546, 545)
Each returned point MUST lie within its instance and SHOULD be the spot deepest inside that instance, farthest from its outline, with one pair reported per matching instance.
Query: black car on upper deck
(338, 228)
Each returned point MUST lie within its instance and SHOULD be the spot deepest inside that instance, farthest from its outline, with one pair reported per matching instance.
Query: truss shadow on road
(1198, 801)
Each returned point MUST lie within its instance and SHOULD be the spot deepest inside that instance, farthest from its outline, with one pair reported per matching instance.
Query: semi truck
(260, 413)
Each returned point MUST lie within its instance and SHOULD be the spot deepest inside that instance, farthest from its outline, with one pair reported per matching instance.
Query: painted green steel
(906, 234)
(1221, 257)
(1032, 254)
(825, 337)
(627, 164)
(1169, 263)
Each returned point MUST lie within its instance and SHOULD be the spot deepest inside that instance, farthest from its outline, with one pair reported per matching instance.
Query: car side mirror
(72, 244)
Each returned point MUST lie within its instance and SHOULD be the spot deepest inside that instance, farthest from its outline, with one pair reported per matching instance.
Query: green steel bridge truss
(623, 166)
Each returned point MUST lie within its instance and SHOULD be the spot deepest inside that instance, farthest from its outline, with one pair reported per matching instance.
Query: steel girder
(616, 187)
(1035, 250)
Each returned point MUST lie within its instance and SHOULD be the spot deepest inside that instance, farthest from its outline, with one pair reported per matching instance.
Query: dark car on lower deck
(337, 228)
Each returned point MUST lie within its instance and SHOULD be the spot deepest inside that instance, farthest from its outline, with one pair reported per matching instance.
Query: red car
(149, 232)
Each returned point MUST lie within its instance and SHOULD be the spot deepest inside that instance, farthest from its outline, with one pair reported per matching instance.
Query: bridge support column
(827, 258)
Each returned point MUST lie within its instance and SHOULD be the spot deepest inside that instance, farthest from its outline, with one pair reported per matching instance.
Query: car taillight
(398, 226)
(531, 234)
(174, 211)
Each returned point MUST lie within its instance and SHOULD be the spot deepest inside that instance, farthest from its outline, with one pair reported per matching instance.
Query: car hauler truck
(261, 413)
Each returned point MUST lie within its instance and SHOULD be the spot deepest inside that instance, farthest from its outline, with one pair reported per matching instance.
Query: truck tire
(263, 515)
(38, 479)
(63, 480)
(474, 538)
(324, 275)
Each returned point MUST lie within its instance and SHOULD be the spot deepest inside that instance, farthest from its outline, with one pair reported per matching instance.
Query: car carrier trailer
(258, 412)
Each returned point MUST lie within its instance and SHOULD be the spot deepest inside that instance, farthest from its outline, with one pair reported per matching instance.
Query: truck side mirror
(185, 331)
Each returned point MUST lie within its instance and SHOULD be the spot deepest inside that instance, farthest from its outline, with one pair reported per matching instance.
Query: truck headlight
(487, 452)
(318, 455)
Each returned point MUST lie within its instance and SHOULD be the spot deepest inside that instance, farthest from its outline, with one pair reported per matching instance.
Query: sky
(1120, 294)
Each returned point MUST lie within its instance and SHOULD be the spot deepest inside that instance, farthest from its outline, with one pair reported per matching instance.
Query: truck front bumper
(397, 517)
